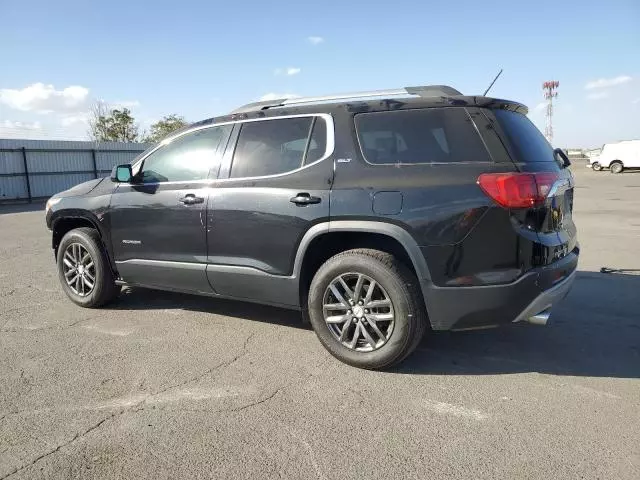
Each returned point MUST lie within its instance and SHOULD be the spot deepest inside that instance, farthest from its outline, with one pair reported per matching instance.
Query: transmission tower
(550, 92)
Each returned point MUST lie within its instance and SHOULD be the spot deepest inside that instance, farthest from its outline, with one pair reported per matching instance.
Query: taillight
(517, 190)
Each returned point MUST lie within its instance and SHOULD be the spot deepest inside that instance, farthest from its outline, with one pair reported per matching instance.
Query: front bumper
(456, 308)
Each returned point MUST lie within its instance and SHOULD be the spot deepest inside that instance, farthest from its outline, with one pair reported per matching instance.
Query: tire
(77, 244)
(616, 167)
(596, 166)
(393, 281)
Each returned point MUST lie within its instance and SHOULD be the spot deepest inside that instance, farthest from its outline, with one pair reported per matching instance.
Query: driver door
(158, 220)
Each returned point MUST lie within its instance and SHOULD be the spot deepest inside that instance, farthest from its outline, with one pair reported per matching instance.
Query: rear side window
(525, 138)
(270, 147)
(434, 135)
(317, 141)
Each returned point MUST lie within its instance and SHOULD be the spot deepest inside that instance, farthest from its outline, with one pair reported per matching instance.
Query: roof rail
(421, 91)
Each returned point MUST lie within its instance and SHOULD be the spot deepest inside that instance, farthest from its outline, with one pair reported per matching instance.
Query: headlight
(50, 203)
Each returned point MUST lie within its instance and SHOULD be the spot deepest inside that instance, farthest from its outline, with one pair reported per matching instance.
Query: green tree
(116, 125)
(164, 127)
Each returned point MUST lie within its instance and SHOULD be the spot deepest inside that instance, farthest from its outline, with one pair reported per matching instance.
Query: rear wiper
(558, 152)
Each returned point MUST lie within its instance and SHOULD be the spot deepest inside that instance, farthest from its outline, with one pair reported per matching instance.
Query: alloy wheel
(79, 269)
(358, 312)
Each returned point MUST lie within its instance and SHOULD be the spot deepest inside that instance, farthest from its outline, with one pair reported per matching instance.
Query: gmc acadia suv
(378, 215)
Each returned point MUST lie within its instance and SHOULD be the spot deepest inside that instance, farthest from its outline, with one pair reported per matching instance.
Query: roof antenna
(494, 81)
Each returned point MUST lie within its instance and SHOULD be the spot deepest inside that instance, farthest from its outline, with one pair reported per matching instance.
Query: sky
(200, 58)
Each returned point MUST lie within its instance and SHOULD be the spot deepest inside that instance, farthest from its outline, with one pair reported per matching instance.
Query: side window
(317, 142)
(269, 147)
(430, 135)
(187, 158)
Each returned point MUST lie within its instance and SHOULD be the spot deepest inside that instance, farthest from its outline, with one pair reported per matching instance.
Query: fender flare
(365, 226)
(79, 214)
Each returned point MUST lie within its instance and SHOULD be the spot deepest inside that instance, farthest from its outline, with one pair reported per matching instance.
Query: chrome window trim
(330, 147)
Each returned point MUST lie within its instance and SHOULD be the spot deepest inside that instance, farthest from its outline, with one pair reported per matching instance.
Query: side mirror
(121, 174)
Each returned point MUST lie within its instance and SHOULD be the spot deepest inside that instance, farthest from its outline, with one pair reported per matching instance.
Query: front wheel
(83, 269)
(366, 308)
(596, 166)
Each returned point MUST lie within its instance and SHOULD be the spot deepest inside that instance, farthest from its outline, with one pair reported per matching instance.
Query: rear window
(525, 138)
(434, 135)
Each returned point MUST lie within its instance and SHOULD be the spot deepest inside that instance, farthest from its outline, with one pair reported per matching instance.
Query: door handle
(303, 199)
(191, 199)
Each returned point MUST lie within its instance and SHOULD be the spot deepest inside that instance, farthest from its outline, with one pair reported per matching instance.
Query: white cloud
(540, 107)
(8, 124)
(10, 129)
(637, 100)
(287, 71)
(120, 104)
(597, 95)
(607, 82)
(277, 96)
(315, 40)
(74, 119)
(42, 98)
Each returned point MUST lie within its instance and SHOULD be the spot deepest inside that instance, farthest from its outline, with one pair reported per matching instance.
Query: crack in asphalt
(136, 408)
(52, 327)
(5, 322)
(281, 389)
(59, 447)
(212, 410)
(209, 371)
(162, 390)
(257, 402)
(140, 405)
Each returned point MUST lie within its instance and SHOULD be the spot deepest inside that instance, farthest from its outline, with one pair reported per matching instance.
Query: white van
(618, 156)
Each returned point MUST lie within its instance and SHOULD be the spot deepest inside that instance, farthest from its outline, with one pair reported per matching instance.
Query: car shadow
(146, 299)
(594, 332)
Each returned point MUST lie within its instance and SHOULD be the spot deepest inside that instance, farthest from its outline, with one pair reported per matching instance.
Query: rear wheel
(83, 269)
(596, 166)
(616, 167)
(366, 308)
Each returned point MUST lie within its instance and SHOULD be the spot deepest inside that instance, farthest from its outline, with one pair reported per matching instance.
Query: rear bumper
(538, 310)
(453, 308)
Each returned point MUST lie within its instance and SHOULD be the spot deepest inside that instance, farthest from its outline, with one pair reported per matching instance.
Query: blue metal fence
(37, 169)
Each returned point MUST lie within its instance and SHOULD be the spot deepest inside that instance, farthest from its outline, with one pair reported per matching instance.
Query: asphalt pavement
(161, 385)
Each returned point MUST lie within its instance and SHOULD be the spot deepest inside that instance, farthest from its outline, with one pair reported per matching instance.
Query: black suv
(378, 215)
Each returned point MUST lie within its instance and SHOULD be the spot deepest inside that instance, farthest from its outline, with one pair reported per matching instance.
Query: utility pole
(550, 92)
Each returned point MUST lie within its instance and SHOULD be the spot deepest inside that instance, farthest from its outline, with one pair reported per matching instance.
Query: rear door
(633, 155)
(531, 152)
(274, 185)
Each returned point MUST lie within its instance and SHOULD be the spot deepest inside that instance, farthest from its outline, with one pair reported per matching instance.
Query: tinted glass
(186, 158)
(525, 138)
(318, 142)
(419, 136)
(270, 147)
